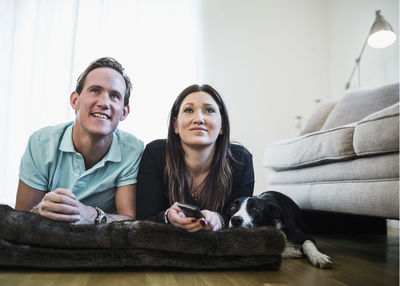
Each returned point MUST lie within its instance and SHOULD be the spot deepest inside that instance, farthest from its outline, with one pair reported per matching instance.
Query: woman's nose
(199, 117)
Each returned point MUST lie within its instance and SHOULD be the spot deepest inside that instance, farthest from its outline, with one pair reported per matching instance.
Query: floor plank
(358, 260)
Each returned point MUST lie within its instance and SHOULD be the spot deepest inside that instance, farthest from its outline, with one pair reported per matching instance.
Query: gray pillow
(319, 116)
(357, 104)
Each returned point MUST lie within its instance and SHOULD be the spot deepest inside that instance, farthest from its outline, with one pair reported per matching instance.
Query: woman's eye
(188, 110)
(210, 110)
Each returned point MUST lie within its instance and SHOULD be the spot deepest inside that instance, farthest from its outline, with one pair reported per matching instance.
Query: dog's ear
(275, 210)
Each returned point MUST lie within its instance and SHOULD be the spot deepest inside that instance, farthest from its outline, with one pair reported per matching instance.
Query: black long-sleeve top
(152, 189)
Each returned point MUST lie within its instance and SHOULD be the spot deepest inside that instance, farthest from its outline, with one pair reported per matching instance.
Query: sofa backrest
(357, 104)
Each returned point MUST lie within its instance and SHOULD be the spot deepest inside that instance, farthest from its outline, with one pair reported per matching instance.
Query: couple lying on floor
(90, 172)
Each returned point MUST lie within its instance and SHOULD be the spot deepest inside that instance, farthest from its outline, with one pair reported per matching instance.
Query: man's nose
(103, 100)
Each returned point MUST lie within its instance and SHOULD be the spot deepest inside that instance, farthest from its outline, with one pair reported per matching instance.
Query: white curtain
(46, 44)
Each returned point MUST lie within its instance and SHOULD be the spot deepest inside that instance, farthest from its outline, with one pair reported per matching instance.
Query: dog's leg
(291, 251)
(317, 258)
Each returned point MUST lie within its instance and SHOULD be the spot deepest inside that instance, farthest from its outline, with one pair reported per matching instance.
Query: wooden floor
(363, 260)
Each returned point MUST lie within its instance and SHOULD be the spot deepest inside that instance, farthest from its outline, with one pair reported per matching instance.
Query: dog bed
(30, 240)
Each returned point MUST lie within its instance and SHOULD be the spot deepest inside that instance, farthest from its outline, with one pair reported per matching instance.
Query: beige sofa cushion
(378, 168)
(378, 132)
(318, 117)
(322, 146)
(359, 103)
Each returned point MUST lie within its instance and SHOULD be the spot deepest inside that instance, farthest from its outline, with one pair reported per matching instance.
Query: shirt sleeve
(129, 175)
(152, 196)
(31, 168)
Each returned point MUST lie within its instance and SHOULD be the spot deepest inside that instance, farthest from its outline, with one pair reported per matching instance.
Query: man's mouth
(100, 115)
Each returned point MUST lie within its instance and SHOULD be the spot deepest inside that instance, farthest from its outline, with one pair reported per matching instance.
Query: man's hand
(61, 205)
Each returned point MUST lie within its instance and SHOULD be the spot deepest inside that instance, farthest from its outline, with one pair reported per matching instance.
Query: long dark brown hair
(218, 183)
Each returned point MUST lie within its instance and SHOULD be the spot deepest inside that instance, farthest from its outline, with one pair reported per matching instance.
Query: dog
(278, 210)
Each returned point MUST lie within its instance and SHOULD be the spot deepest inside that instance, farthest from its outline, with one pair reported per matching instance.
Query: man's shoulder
(128, 140)
(50, 133)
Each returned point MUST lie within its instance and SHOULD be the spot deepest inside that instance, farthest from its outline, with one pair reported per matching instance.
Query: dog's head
(252, 212)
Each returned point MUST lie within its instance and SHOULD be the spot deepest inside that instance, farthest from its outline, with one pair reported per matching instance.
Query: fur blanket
(29, 240)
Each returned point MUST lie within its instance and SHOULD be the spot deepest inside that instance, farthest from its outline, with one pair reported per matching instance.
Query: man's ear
(125, 112)
(73, 100)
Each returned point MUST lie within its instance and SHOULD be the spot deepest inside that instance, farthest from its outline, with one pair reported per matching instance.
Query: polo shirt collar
(113, 154)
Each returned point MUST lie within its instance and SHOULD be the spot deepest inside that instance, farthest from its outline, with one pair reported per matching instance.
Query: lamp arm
(356, 64)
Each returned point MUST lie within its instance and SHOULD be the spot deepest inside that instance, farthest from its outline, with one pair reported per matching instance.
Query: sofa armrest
(378, 132)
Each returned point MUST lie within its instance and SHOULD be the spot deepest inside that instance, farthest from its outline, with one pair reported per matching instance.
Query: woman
(196, 165)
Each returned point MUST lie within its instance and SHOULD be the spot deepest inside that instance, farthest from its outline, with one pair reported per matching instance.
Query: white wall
(350, 22)
(269, 60)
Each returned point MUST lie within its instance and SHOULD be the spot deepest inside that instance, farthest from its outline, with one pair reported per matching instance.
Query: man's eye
(115, 96)
(94, 90)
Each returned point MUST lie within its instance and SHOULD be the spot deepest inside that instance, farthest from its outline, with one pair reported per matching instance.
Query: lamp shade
(381, 34)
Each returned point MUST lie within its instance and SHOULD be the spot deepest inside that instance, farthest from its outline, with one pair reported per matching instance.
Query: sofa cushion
(378, 168)
(322, 146)
(378, 132)
(360, 103)
(318, 117)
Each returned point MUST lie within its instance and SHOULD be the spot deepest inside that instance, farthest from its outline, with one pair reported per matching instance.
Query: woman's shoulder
(156, 144)
(239, 152)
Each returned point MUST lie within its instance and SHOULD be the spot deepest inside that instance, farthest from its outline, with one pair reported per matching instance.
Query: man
(85, 171)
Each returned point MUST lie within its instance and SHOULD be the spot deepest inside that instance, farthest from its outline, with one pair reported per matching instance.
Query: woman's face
(199, 121)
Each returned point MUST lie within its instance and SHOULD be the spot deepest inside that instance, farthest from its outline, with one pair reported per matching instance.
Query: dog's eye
(233, 208)
(255, 209)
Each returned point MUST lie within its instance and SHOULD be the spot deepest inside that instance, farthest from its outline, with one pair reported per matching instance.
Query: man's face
(100, 106)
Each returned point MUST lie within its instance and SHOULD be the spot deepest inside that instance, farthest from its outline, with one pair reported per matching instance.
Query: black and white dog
(278, 210)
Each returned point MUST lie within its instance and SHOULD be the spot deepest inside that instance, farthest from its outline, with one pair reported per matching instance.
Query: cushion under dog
(27, 239)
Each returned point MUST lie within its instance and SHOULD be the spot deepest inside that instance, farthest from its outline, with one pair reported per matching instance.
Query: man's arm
(59, 205)
(27, 197)
(62, 205)
(125, 201)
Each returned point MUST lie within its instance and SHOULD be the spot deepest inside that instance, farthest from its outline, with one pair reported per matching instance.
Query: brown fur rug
(30, 240)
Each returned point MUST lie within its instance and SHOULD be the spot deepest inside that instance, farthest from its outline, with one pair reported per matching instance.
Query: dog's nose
(236, 220)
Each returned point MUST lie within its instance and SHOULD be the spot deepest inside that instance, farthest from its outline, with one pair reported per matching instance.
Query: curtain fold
(47, 44)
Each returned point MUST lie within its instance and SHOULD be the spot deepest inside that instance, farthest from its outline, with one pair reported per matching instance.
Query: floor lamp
(381, 35)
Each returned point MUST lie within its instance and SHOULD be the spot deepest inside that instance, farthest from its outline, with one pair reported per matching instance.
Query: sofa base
(337, 223)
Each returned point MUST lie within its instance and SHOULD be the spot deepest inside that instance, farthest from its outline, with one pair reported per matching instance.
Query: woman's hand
(178, 219)
(211, 221)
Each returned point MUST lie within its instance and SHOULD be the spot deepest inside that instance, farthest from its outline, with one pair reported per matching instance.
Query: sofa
(346, 158)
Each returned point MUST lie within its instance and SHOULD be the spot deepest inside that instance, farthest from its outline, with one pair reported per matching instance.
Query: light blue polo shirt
(50, 161)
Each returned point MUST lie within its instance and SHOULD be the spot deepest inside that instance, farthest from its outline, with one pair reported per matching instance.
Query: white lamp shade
(381, 39)
(381, 34)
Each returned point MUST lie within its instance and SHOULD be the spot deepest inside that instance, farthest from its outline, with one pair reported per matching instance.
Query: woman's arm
(152, 195)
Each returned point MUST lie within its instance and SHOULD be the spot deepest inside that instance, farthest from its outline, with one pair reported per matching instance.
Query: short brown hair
(106, 62)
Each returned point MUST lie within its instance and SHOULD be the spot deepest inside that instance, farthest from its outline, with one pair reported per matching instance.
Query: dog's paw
(321, 261)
